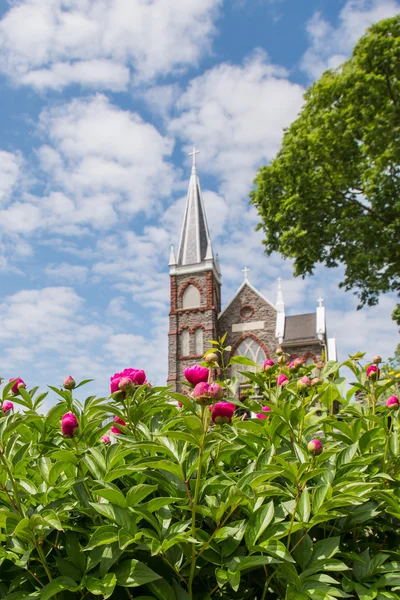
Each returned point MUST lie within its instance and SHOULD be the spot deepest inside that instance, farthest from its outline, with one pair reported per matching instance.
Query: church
(255, 326)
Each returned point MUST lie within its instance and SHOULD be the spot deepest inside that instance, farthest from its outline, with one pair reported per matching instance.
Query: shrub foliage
(177, 507)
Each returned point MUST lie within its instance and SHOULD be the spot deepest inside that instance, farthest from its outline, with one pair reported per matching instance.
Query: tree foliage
(332, 193)
(176, 508)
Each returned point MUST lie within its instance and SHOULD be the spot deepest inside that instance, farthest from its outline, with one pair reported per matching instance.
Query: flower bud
(298, 362)
(393, 403)
(292, 366)
(196, 374)
(69, 425)
(69, 383)
(216, 392)
(105, 439)
(263, 415)
(314, 447)
(373, 372)
(222, 412)
(278, 351)
(18, 383)
(316, 381)
(303, 383)
(268, 364)
(282, 359)
(125, 383)
(377, 359)
(119, 421)
(319, 364)
(7, 405)
(211, 358)
(282, 380)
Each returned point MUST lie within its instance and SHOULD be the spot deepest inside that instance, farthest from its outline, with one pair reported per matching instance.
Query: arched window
(309, 361)
(198, 340)
(191, 297)
(251, 349)
(185, 343)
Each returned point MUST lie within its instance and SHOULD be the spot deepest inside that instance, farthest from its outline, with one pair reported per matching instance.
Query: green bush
(177, 507)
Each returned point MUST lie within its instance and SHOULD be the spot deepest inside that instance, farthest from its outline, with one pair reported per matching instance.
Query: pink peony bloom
(69, 383)
(136, 376)
(393, 403)
(265, 409)
(282, 379)
(201, 392)
(222, 412)
(316, 381)
(291, 366)
(373, 372)
(315, 447)
(69, 425)
(196, 374)
(7, 405)
(114, 428)
(298, 362)
(216, 391)
(268, 364)
(303, 383)
(377, 359)
(105, 439)
(18, 384)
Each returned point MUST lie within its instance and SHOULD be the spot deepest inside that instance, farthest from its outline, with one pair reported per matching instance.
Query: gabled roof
(300, 328)
(247, 283)
(195, 243)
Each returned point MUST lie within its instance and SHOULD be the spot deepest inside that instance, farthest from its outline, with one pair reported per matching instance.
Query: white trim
(246, 282)
(247, 326)
(332, 353)
(196, 268)
(280, 326)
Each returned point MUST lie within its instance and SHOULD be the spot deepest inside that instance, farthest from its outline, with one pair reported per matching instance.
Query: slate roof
(300, 328)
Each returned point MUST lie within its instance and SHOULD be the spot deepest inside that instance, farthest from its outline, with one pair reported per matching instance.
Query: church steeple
(195, 243)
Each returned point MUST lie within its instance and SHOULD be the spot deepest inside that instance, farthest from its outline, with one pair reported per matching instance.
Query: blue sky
(101, 101)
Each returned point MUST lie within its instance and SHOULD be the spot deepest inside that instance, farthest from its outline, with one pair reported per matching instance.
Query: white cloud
(116, 309)
(9, 173)
(329, 45)
(98, 42)
(235, 114)
(67, 273)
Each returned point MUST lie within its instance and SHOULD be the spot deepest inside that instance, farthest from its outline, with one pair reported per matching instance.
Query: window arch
(250, 348)
(185, 342)
(191, 297)
(198, 341)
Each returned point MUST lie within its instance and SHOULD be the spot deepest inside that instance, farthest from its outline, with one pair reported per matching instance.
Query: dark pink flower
(298, 362)
(282, 379)
(222, 412)
(216, 391)
(201, 392)
(19, 383)
(196, 374)
(7, 405)
(303, 383)
(315, 447)
(69, 424)
(69, 383)
(268, 364)
(393, 403)
(373, 372)
(119, 421)
(291, 366)
(180, 404)
(105, 439)
(265, 409)
(136, 376)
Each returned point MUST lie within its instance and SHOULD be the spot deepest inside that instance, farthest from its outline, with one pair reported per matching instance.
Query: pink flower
(196, 374)
(268, 364)
(201, 392)
(282, 380)
(303, 383)
(291, 366)
(105, 439)
(136, 376)
(377, 359)
(180, 404)
(265, 409)
(373, 372)
(216, 391)
(316, 381)
(393, 403)
(69, 425)
(222, 412)
(298, 362)
(115, 429)
(315, 447)
(19, 383)
(69, 383)
(7, 405)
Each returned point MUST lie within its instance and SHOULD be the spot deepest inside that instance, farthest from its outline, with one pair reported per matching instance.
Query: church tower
(195, 280)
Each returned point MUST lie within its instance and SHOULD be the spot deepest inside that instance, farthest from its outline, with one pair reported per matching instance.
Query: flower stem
(12, 481)
(44, 561)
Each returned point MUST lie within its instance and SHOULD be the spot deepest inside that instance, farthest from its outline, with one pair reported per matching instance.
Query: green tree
(332, 193)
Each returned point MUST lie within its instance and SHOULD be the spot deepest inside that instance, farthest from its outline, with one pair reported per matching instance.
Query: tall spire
(195, 244)
(280, 305)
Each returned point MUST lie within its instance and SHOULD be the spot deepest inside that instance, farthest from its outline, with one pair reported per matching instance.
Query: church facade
(255, 327)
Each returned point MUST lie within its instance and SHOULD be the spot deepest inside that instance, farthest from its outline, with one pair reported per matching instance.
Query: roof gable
(246, 283)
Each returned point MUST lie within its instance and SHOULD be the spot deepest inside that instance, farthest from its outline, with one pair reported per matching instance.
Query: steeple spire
(195, 244)
(280, 305)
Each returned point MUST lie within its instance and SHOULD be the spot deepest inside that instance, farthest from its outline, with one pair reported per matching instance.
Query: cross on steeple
(193, 153)
(245, 271)
(320, 301)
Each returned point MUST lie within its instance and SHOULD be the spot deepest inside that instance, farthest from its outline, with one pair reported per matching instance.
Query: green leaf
(258, 523)
(304, 506)
(106, 534)
(325, 549)
(114, 496)
(132, 573)
(102, 587)
(57, 585)
(242, 360)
